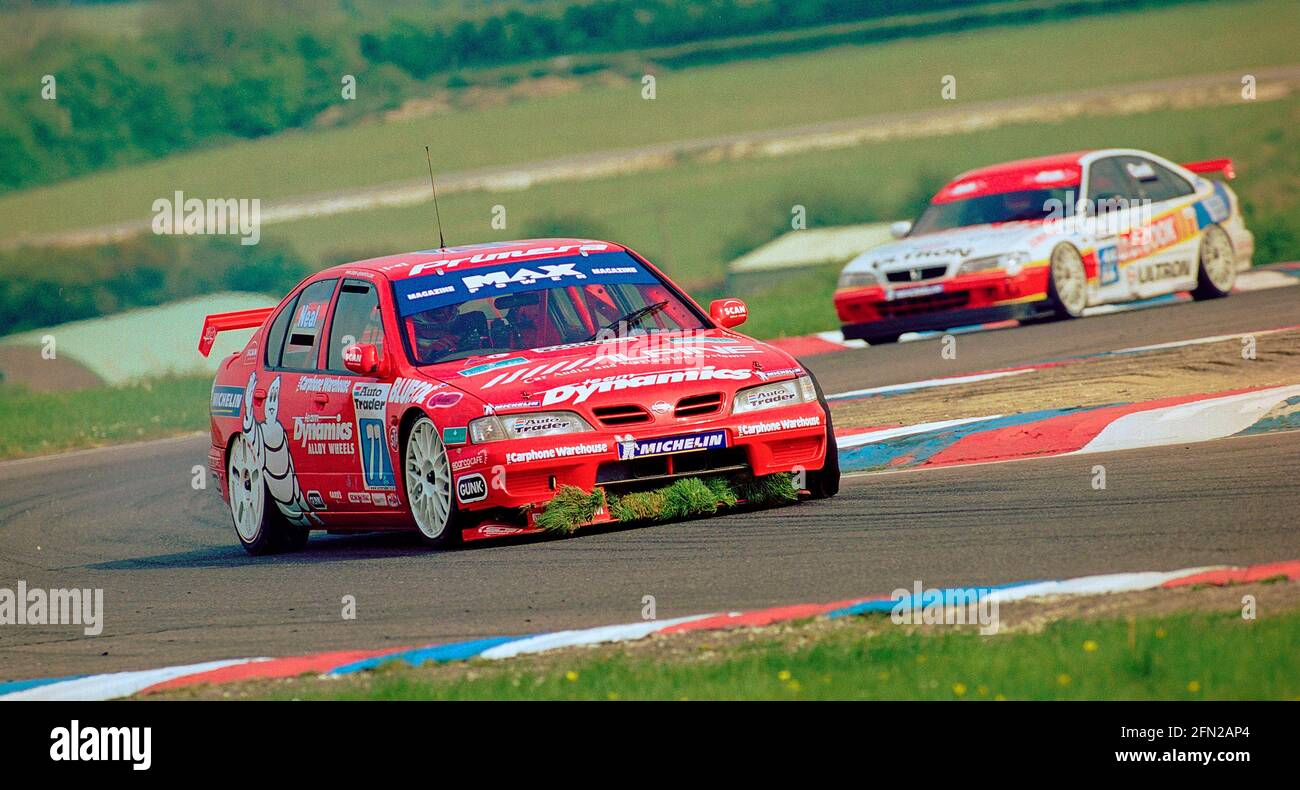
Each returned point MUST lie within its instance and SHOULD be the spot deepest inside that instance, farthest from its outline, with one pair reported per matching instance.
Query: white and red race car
(457, 391)
(1047, 238)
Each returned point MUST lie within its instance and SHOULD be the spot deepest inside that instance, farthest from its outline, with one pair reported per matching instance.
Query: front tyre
(260, 527)
(429, 485)
(825, 482)
(1067, 287)
(1216, 272)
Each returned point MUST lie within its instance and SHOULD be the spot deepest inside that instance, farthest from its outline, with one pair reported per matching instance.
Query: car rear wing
(214, 325)
(1213, 166)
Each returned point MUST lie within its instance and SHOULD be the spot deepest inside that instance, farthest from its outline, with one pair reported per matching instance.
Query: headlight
(778, 393)
(857, 279)
(525, 426)
(1009, 261)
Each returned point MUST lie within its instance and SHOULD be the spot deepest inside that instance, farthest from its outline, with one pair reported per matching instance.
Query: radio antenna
(442, 243)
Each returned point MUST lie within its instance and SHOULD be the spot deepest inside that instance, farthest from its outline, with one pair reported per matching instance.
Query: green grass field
(1187, 656)
(804, 88)
(50, 422)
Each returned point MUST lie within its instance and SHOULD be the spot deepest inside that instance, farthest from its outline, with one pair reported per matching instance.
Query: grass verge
(33, 423)
(688, 497)
(1141, 647)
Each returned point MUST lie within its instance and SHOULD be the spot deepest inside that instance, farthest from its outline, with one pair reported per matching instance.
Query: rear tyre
(260, 527)
(1216, 271)
(825, 482)
(428, 485)
(1067, 283)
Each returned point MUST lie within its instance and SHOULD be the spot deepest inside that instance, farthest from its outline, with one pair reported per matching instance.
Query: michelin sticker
(226, 401)
(629, 447)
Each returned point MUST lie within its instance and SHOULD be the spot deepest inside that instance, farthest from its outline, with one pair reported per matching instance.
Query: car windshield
(1028, 204)
(461, 313)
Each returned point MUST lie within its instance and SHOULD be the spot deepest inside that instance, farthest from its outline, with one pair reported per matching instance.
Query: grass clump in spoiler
(689, 497)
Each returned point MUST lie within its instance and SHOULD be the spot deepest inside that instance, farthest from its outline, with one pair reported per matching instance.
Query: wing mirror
(728, 312)
(361, 358)
(900, 229)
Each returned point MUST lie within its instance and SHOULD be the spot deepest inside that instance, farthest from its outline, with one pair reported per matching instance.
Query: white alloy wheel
(1218, 263)
(428, 480)
(247, 492)
(1069, 281)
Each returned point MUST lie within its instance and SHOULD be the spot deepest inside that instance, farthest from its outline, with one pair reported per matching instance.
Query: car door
(355, 474)
(293, 347)
(1169, 241)
(1114, 212)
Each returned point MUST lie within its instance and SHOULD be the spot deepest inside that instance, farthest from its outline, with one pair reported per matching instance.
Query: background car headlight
(771, 396)
(1011, 261)
(857, 279)
(528, 425)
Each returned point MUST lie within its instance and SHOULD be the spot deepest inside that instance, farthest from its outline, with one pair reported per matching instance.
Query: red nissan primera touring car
(458, 390)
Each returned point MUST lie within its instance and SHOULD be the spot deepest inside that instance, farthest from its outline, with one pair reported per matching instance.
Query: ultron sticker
(471, 488)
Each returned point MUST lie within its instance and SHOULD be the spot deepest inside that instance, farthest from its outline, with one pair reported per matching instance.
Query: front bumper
(528, 473)
(959, 301)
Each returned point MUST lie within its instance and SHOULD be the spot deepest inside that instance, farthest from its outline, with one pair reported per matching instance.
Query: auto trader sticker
(370, 402)
(630, 447)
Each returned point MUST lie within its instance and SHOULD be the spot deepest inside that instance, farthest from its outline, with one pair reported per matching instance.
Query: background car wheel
(1217, 269)
(1067, 283)
(825, 482)
(880, 340)
(429, 486)
(259, 525)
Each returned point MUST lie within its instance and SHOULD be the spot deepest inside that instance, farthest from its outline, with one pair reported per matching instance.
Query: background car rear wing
(1213, 166)
(213, 325)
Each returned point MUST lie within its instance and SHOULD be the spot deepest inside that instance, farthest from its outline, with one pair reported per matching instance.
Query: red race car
(460, 390)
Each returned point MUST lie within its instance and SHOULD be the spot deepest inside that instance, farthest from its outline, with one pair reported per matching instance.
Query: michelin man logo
(628, 445)
(269, 444)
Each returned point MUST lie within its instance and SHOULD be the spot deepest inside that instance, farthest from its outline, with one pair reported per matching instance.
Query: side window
(303, 340)
(356, 320)
(1153, 182)
(275, 337)
(1109, 187)
(1174, 185)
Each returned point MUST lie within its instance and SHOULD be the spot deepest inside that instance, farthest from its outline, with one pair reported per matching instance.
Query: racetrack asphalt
(177, 588)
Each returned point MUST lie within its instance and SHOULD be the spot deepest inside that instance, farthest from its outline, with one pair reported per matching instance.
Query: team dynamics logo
(471, 488)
